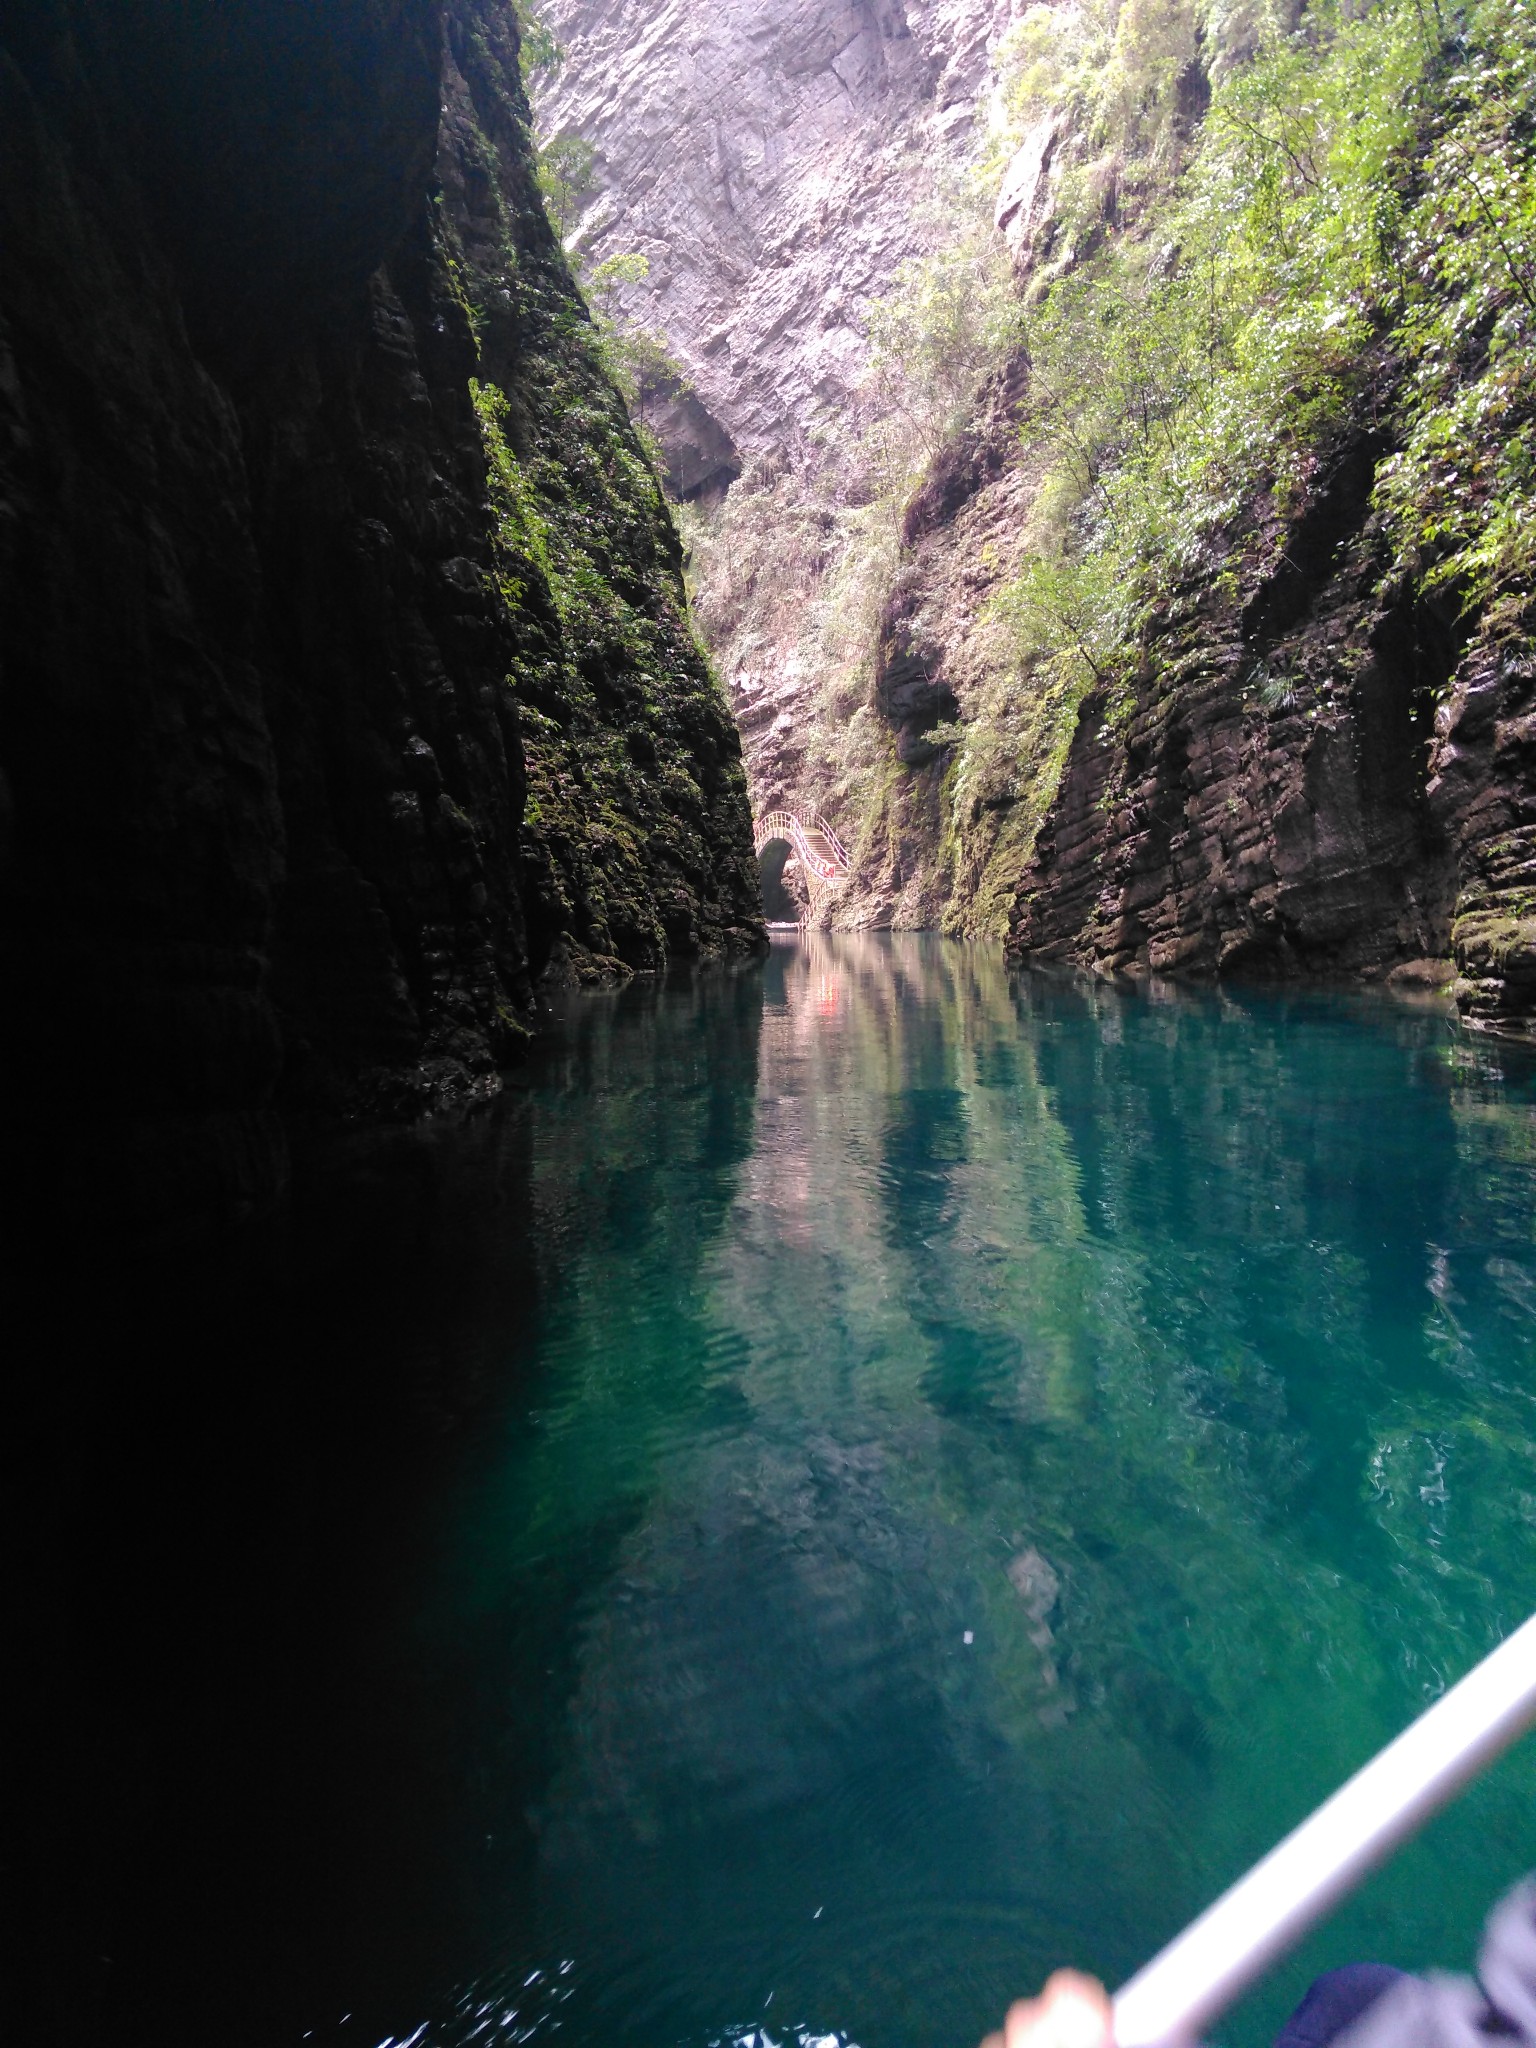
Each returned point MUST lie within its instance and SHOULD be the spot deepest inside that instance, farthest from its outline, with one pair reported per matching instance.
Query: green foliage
(1359, 199)
(1155, 46)
(641, 365)
(1461, 495)
(1043, 60)
(950, 319)
(637, 359)
(1069, 615)
(1277, 692)
(522, 531)
(567, 168)
(1123, 77)
(607, 279)
(1223, 350)
(538, 50)
(1210, 362)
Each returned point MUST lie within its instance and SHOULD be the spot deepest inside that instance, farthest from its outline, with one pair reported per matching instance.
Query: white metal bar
(1204, 1969)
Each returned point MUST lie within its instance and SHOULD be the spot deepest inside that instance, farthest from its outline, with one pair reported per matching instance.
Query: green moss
(637, 832)
(1494, 941)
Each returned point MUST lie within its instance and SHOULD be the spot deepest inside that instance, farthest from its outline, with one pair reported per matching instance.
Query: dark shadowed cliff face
(285, 344)
(636, 839)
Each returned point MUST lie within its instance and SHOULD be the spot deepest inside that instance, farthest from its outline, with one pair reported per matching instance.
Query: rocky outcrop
(910, 687)
(269, 630)
(772, 162)
(950, 849)
(776, 164)
(1482, 794)
(1318, 775)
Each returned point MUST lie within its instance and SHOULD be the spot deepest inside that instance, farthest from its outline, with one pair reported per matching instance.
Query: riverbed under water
(857, 1481)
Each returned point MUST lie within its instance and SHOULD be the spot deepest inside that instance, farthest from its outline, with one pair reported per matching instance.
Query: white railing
(827, 863)
(817, 823)
(1197, 1976)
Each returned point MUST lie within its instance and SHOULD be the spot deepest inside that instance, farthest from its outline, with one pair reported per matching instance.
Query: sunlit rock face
(772, 160)
(776, 162)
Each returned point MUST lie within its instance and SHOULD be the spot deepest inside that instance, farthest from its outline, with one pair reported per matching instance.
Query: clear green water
(967, 1463)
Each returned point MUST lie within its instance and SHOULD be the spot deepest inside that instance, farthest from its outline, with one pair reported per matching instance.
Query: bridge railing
(819, 824)
(828, 868)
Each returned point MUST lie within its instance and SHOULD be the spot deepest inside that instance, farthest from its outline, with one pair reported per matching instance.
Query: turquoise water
(961, 1464)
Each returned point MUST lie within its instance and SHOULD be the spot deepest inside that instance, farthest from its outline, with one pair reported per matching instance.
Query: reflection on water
(976, 1459)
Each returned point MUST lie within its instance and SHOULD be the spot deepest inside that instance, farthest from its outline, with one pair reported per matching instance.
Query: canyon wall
(1204, 831)
(774, 163)
(346, 680)
(1305, 747)
(777, 165)
(1379, 823)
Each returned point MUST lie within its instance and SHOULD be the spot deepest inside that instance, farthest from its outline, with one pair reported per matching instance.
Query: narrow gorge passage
(579, 1470)
(1117, 590)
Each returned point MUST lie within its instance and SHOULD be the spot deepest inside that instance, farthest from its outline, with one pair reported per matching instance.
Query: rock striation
(1322, 774)
(323, 541)
(1228, 825)
(776, 162)
(772, 159)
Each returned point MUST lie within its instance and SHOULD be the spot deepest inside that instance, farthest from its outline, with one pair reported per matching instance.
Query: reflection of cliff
(878, 1303)
(992, 1356)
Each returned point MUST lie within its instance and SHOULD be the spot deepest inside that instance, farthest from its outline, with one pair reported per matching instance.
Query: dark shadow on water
(234, 1805)
(852, 1483)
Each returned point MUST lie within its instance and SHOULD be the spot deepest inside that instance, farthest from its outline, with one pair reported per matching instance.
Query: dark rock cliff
(1319, 773)
(1260, 806)
(314, 500)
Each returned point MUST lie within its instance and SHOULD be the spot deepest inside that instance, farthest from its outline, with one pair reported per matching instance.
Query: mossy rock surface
(636, 838)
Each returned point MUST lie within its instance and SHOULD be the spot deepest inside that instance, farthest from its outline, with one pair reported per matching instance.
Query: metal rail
(828, 863)
(1214, 1961)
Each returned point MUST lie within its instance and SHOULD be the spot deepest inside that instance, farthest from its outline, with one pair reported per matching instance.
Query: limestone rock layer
(773, 162)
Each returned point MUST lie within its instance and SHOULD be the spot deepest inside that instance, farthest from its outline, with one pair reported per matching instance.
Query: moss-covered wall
(316, 512)
(634, 840)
